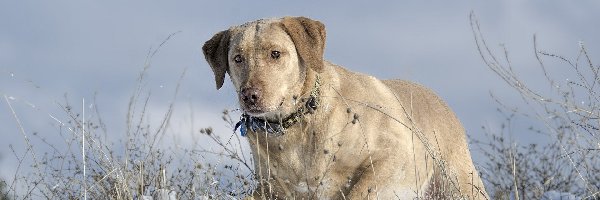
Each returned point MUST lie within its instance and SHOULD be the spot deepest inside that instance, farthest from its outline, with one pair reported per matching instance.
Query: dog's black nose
(251, 96)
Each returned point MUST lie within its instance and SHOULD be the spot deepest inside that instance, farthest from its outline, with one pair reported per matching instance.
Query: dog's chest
(305, 161)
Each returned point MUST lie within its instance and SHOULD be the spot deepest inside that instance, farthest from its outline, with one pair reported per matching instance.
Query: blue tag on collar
(243, 130)
(242, 125)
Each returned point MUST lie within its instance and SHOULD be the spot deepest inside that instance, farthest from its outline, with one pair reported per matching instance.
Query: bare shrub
(568, 112)
(85, 164)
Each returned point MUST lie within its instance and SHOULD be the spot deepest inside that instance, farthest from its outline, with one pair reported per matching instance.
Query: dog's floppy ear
(309, 37)
(215, 51)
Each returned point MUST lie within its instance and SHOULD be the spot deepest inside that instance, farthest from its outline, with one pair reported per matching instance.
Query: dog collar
(255, 124)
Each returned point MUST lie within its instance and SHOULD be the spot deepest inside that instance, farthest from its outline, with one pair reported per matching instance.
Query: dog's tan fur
(368, 138)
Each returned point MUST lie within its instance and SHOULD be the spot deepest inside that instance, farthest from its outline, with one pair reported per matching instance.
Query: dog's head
(268, 61)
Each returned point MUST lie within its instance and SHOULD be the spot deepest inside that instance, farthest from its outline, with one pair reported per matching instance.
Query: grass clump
(142, 163)
(564, 113)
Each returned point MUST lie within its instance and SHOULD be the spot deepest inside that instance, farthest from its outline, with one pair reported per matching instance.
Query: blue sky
(52, 52)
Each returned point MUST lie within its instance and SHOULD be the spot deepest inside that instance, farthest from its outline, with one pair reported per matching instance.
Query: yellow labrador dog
(319, 131)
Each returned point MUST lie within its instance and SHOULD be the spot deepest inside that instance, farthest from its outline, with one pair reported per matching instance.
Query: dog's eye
(275, 54)
(238, 59)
